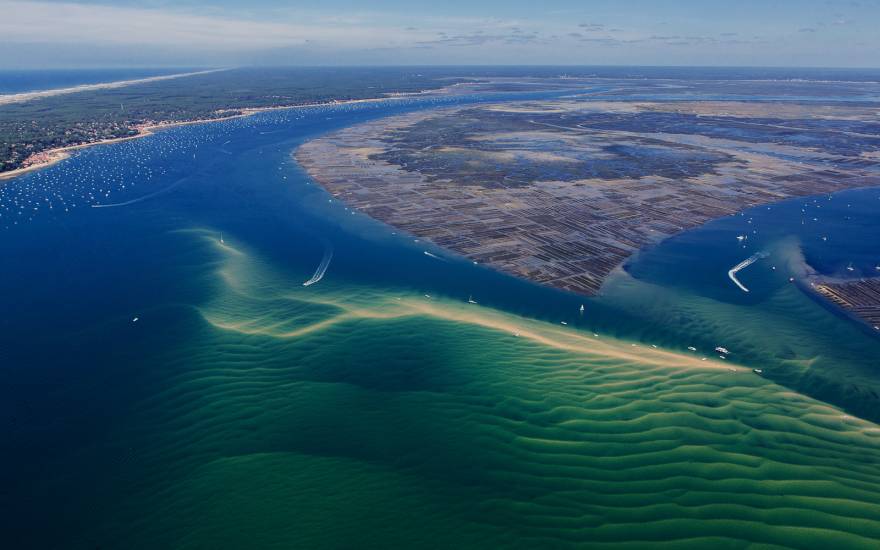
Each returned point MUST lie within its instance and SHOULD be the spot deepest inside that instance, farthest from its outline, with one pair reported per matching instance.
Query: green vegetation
(42, 124)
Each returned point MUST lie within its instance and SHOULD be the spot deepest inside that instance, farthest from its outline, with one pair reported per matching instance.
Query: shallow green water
(343, 417)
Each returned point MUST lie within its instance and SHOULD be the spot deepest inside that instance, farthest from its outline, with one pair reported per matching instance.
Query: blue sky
(68, 33)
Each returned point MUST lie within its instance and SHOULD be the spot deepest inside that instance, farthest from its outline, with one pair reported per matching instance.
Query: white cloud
(25, 22)
(70, 33)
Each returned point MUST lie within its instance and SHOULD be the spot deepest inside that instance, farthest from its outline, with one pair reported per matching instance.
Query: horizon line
(429, 65)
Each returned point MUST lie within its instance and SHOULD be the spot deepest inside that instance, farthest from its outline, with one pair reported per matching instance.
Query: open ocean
(168, 381)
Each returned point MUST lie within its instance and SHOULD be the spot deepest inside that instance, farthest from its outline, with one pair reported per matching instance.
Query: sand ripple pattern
(312, 417)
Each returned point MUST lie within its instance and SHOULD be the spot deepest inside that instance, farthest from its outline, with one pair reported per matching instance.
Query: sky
(190, 33)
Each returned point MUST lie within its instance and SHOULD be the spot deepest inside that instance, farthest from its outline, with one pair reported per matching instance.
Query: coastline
(855, 299)
(52, 156)
(61, 153)
(8, 99)
(56, 155)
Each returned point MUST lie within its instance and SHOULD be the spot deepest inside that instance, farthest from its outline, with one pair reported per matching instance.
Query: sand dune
(29, 96)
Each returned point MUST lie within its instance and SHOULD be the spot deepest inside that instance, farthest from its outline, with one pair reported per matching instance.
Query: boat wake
(143, 198)
(436, 257)
(742, 265)
(322, 267)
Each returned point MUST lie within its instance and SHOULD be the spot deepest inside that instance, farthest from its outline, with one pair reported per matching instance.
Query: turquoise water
(242, 408)
(779, 325)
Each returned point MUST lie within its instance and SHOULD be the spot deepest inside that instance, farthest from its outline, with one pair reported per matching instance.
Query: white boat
(563, 322)
(322, 267)
(723, 350)
(758, 371)
(428, 254)
(471, 300)
(582, 308)
(850, 267)
(692, 348)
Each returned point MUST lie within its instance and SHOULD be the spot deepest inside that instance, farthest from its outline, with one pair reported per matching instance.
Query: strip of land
(44, 159)
(860, 298)
(35, 127)
(41, 94)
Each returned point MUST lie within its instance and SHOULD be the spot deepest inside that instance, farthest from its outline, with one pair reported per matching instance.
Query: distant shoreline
(47, 158)
(7, 99)
(856, 299)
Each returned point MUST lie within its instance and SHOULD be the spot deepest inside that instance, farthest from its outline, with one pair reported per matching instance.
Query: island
(562, 191)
